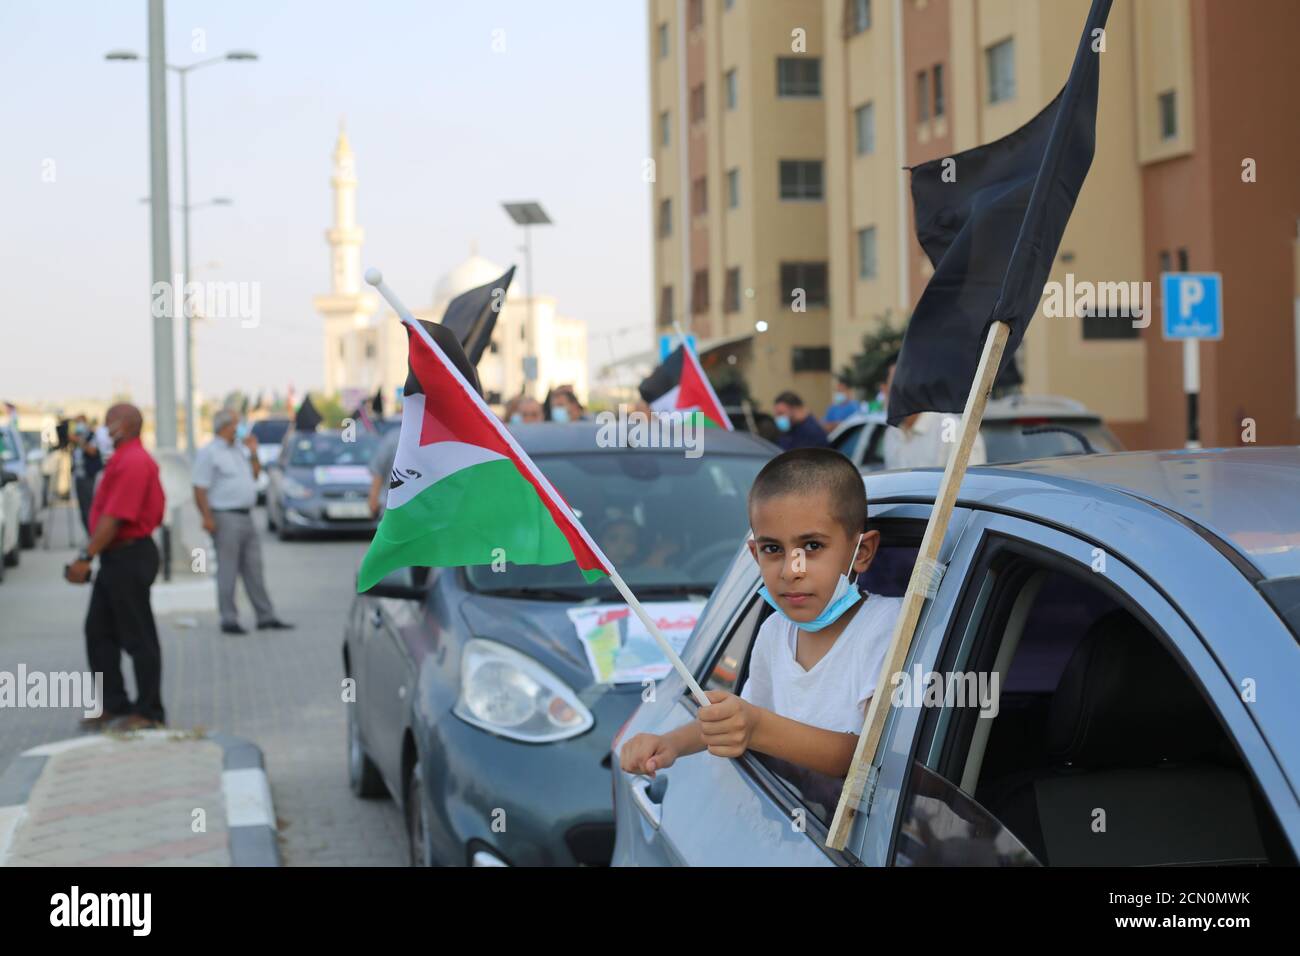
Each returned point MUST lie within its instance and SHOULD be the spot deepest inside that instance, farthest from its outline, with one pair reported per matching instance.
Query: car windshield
(7, 450)
(1006, 440)
(668, 523)
(270, 431)
(329, 448)
(32, 439)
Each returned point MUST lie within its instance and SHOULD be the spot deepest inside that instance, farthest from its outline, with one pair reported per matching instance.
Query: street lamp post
(179, 294)
(528, 214)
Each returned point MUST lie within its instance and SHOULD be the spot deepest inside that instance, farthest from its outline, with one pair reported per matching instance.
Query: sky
(444, 127)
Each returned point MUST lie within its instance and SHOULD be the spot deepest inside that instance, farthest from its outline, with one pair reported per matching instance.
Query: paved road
(278, 689)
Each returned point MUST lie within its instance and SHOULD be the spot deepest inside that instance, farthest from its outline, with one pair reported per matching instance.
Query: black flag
(307, 419)
(472, 315)
(990, 220)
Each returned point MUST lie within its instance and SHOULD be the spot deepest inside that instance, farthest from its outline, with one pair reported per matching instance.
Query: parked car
(1141, 612)
(15, 460)
(476, 702)
(1015, 428)
(320, 483)
(269, 433)
(11, 506)
(40, 452)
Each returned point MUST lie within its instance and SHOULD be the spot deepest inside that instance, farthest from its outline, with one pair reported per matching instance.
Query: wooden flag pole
(923, 573)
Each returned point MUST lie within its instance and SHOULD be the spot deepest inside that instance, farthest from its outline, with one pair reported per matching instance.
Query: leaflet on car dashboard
(619, 648)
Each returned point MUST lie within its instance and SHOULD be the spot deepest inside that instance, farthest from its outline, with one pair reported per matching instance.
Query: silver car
(1015, 428)
(1135, 621)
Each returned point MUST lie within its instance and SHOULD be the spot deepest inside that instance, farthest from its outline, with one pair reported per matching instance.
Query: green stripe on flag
(462, 520)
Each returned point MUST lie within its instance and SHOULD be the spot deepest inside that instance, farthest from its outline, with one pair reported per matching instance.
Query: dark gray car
(1141, 613)
(477, 705)
(320, 483)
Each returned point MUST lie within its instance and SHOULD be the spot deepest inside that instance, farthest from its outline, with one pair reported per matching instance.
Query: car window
(1072, 725)
(329, 448)
(888, 576)
(8, 449)
(846, 442)
(668, 523)
(1007, 441)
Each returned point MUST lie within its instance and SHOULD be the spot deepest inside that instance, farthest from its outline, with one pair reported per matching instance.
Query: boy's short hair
(808, 470)
(788, 398)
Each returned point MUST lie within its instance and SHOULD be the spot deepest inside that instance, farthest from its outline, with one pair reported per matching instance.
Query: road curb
(250, 813)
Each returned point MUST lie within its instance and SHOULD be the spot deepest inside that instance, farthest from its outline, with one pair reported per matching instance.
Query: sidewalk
(151, 798)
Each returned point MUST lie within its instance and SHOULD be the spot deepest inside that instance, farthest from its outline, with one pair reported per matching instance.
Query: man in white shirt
(926, 439)
(225, 490)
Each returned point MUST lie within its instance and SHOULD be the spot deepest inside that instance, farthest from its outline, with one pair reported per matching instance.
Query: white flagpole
(375, 278)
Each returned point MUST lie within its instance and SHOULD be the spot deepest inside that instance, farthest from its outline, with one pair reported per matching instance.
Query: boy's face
(801, 551)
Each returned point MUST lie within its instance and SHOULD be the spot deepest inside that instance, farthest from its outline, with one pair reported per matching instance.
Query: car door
(391, 626)
(710, 812)
(938, 753)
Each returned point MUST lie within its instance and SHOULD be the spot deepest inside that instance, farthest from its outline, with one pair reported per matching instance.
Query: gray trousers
(239, 554)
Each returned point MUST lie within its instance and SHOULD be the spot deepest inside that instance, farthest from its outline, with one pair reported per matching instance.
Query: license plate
(348, 509)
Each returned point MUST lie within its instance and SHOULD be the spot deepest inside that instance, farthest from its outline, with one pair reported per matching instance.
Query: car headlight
(509, 693)
(295, 489)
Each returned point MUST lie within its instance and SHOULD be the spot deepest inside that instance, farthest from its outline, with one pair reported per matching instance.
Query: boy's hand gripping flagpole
(918, 586)
(376, 279)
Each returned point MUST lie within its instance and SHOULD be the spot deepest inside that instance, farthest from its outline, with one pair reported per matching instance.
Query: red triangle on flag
(696, 392)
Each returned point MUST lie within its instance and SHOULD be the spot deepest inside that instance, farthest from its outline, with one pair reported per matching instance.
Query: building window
(864, 129)
(523, 333)
(663, 40)
(801, 179)
(1168, 115)
(1001, 61)
(798, 76)
(1182, 260)
(923, 96)
(808, 276)
(731, 89)
(340, 349)
(695, 13)
(733, 188)
(938, 90)
(665, 128)
(492, 348)
(859, 15)
(665, 218)
(1166, 264)
(700, 292)
(370, 350)
(867, 268)
(729, 4)
(666, 305)
(731, 297)
(697, 104)
(803, 359)
(699, 197)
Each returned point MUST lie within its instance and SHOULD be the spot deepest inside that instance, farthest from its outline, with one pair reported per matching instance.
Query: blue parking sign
(1193, 305)
(667, 343)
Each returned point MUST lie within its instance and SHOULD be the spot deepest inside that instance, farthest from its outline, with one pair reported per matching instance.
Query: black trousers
(121, 619)
(85, 488)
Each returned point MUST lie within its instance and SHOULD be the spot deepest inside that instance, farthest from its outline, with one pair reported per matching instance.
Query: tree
(866, 371)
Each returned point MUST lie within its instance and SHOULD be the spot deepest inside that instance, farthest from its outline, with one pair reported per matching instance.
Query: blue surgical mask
(559, 414)
(516, 418)
(840, 398)
(846, 595)
(241, 431)
(783, 422)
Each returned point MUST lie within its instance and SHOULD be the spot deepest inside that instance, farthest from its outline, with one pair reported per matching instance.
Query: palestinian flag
(461, 486)
(680, 385)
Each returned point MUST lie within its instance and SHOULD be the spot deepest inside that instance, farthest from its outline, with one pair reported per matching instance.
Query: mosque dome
(473, 272)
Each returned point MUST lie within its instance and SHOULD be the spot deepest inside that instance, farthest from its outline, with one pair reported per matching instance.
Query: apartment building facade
(1194, 171)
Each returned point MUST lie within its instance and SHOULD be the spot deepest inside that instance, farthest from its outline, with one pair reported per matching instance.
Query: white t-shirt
(922, 445)
(834, 694)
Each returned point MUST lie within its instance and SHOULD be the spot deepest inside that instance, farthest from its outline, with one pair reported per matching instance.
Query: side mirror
(404, 584)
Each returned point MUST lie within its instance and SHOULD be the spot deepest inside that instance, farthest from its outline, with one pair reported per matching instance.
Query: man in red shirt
(128, 506)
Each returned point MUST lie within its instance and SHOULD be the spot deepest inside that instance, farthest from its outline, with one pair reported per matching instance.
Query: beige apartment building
(1191, 90)
(738, 130)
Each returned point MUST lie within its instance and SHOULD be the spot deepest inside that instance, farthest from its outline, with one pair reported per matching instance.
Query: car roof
(555, 438)
(1246, 497)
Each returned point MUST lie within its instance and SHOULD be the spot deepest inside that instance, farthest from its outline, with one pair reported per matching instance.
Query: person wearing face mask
(842, 405)
(815, 662)
(86, 466)
(524, 410)
(798, 427)
(225, 490)
(127, 508)
(564, 405)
